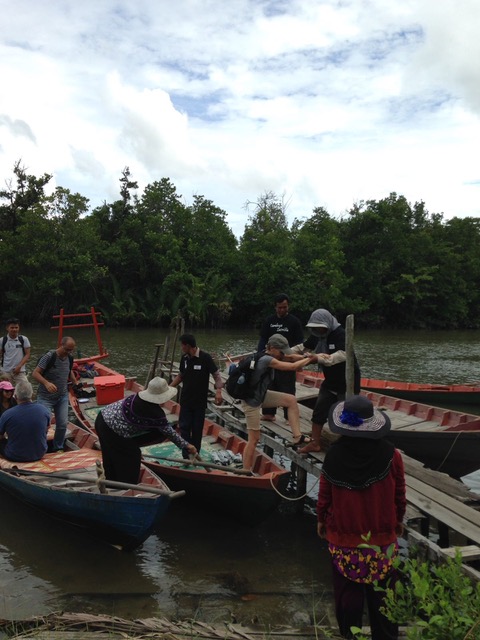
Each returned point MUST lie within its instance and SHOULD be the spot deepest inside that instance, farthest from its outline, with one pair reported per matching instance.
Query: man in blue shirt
(26, 426)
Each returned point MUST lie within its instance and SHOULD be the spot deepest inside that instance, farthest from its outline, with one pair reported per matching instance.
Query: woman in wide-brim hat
(126, 425)
(360, 509)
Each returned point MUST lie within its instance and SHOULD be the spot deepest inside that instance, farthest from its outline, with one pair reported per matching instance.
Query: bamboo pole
(350, 368)
(197, 463)
(153, 367)
(146, 488)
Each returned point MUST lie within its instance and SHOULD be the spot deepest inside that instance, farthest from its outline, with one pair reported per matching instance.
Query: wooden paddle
(93, 480)
(196, 463)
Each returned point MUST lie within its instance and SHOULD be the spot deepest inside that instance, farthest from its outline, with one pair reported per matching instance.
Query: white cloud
(328, 103)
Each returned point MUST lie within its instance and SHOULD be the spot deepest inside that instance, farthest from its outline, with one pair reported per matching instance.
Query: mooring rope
(449, 451)
(288, 497)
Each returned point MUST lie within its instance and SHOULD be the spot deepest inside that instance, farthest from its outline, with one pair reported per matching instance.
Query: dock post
(350, 368)
(301, 488)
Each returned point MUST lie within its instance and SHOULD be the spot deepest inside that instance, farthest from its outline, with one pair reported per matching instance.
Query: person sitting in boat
(7, 401)
(25, 426)
(126, 425)
(263, 397)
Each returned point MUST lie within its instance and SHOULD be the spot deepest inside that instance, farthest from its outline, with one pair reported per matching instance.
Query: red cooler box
(109, 388)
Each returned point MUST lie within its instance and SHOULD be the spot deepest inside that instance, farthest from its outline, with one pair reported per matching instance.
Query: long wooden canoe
(65, 485)
(442, 439)
(432, 394)
(221, 485)
(248, 498)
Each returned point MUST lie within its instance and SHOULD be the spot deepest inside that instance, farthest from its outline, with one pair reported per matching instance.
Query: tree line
(147, 259)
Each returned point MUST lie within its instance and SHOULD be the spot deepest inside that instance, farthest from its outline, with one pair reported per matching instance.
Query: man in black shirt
(196, 366)
(284, 323)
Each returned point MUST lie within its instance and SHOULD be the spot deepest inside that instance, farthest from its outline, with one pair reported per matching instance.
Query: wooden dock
(435, 500)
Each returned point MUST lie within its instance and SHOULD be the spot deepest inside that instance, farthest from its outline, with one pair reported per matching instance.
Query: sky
(324, 103)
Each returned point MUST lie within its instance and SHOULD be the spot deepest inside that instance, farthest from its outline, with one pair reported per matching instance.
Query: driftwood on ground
(71, 626)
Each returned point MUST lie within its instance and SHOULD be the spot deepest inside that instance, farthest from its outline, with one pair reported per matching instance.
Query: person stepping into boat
(273, 360)
(53, 374)
(327, 340)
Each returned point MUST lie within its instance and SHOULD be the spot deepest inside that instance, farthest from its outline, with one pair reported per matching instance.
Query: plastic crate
(109, 388)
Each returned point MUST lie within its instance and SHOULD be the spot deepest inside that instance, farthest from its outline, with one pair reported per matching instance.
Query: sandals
(303, 439)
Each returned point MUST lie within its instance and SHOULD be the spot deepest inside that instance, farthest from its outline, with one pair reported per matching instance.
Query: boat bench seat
(59, 461)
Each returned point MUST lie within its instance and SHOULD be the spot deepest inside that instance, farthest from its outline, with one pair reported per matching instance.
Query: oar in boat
(93, 480)
(196, 463)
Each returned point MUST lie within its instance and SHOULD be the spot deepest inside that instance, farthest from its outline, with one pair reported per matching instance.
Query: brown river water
(198, 564)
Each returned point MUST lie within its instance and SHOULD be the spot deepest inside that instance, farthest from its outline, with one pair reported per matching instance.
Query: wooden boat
(226, 489)
(442, 394)
(433, 394)
(66, 486)
(248, 498)
(442, 439)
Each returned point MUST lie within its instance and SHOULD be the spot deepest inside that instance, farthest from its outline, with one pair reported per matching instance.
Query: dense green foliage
(143, 259)
(437, 600)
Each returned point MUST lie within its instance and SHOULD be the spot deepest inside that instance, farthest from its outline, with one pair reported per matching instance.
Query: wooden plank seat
(59, 461)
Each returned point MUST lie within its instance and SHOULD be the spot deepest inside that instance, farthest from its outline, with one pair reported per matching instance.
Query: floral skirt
(364, 564)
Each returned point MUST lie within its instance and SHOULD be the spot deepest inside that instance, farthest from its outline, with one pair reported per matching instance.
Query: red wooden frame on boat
(102, 352)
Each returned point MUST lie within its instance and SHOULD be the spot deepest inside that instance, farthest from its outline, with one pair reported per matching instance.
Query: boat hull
(59, 486)
(249, 499)
(454, 453)
(432, 394)
(120, 521)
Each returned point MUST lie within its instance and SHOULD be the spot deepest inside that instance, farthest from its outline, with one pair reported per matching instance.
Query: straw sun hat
(357, 417)
(157, 391)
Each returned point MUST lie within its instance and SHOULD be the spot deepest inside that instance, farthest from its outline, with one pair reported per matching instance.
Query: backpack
(52, 359)
(238, 383)
(4, 342)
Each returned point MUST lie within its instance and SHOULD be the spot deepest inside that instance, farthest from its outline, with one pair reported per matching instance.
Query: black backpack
(238, 383)
(52, 358)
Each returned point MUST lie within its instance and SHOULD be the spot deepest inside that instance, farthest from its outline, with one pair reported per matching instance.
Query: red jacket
(349, 514)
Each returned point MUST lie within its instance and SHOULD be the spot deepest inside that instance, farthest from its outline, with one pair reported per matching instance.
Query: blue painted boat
(66, 486)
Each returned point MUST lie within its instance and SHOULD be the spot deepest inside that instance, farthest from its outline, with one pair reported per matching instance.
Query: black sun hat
(357, 418)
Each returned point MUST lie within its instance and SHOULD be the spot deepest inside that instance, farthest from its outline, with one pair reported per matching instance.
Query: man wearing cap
(360, 510)
(327, 341)
(283, 323)
(26, 426)
(262, 397)
(126, 425)
(14, 352)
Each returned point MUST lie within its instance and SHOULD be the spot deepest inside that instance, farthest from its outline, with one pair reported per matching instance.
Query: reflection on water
(195, 565)
(198, 564)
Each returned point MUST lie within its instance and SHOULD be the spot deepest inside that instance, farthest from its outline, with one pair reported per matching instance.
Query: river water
(198, 564)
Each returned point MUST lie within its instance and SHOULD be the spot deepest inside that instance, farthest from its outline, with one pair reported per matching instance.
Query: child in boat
(7, 400)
